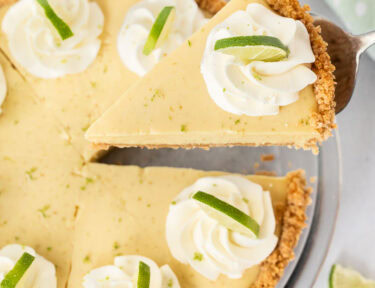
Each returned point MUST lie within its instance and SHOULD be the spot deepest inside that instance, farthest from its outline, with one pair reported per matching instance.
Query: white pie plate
(325, 168)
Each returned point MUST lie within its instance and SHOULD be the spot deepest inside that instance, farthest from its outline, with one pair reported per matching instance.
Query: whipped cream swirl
(124, 272)
(35, 43)
(3, 87)
(211, 249)
(258, 88)
(41, 273)
(137, 26)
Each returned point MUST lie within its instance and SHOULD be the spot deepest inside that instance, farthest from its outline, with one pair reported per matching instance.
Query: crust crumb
(256, 165)
(211, 6)
(265, 173)
(267, 157)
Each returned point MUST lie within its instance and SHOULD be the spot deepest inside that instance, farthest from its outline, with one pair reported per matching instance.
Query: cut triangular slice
(149, 194)
(170, 107)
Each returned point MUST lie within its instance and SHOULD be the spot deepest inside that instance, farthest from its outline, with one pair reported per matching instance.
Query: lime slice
(228, 215)
(144, 275)
(14, 276)
(341, 277)
(62, 28)
(160, 30)
(253, 48)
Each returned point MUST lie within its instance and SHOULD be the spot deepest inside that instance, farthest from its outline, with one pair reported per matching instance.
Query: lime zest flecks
(85, 128)
(30, 173)
(62, 28)
(14, 276)
(88, 181)
(87, 259)
(257, 75)
(116, 245)
(44, 210)
(198, 256)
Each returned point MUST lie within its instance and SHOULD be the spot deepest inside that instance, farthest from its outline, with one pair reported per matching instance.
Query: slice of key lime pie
(160, 213)
(80, 56)
(256, 74)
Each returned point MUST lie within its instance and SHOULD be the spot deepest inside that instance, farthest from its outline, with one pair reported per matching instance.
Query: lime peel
(160, 29)
(227, 215)
(14, 276)
(253, 48)
(62, 28)
(144, 275)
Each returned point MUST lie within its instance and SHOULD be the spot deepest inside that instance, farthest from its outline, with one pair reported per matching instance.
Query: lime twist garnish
(14, 276)
(160, 29)
(341, 277)
(227, 215)
(253, 48)
(62, 28)
(144, 275)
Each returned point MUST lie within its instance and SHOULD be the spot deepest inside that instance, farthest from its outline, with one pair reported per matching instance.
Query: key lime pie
(66, 222)
(80, 77)
(256, 74)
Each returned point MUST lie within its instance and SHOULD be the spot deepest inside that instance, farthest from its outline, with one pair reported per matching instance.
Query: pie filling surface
(79, 215)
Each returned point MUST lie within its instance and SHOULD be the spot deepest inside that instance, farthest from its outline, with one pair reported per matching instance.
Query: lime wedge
(144, 275)
(160, 30)
(14, 276)
(253, 48)
(62, 28)
(341, 277)
(228, 215)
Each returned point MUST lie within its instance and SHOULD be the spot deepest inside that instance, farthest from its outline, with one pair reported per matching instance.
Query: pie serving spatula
(345, 50)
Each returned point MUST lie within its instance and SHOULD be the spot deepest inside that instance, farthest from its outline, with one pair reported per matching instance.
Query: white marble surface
(354, 241)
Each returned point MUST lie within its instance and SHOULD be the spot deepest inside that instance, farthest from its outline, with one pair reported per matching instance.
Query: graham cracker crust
(7, 2)
(211, 6)
(293, 222)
